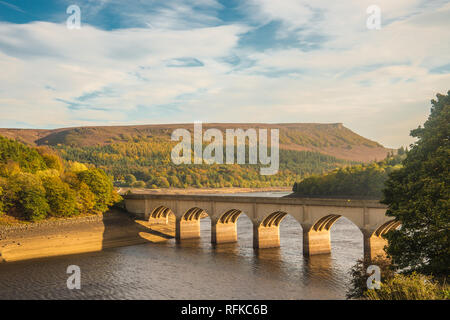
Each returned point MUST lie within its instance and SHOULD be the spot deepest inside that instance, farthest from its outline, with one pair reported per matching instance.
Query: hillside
(139, 156)
(329, 139)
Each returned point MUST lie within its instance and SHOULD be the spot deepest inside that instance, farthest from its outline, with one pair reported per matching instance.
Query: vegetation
(139, 156)
(394, 285)
(146, 162)
(417, 265)
(418, 195)
(35, 184)
(409, 287)
(359, 276)
(366, 180)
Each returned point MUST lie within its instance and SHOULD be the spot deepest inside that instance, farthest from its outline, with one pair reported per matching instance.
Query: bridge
(316, 216)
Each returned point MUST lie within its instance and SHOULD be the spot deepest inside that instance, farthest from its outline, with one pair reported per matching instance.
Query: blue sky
(137, 62)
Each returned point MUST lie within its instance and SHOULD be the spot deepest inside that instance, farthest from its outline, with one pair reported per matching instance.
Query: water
(195, 269)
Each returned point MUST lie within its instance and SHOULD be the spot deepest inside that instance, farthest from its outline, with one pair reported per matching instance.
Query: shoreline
(60, 237)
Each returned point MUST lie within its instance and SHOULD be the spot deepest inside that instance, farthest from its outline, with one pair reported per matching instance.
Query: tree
(358, 283)
(100, 185)
(60, 197)
(130, 179)
(30, 199)
(1, 202)
(418, 195)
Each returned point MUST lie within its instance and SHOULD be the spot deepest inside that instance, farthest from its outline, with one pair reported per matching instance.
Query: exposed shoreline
(115, 228)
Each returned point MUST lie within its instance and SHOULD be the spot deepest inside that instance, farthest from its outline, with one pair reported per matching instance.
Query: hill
(329, 139)
(139, 156)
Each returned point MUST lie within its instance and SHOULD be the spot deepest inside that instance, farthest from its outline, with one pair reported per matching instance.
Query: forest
(146, 162)
(35, 183)
(361, 181)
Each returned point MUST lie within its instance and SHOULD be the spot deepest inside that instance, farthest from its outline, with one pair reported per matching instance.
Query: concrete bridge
(316, 216)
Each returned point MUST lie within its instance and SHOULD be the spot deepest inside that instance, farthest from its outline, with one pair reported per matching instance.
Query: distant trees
(147, 160)
(354, 181)
(35, 184)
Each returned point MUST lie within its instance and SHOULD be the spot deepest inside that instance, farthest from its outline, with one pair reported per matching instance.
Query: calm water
(195, 269)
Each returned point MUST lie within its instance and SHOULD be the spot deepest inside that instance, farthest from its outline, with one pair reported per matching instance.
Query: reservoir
(195, 269)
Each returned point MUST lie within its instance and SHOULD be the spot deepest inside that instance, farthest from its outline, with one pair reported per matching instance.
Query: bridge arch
(317, 236)
(188, 224)
(160, 215)
(193, 214)
(224, 227)
(325, 223)
(386, 227)
(266, 232)
(374, 242)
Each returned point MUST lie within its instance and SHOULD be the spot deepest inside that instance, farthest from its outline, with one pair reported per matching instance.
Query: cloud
(294, 62)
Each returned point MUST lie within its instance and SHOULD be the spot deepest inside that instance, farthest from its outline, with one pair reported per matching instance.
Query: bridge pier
(373, 245)
(316, 242)
(223, 232)
(187, 229)
(266, 237)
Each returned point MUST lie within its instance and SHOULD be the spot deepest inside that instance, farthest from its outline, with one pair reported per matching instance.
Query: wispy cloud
(180, 61)
(11, 6)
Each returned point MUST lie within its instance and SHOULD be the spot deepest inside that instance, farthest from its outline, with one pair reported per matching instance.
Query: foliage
(358, 284)
(148, 160)
(27, 158)
(1, 202)
(101, 186)
(408, 287)
(35, 184)
(355, 181)
(30, 198)
(418, 195)
(60, 197)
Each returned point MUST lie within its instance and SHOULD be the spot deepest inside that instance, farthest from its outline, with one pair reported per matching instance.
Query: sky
(173, 61)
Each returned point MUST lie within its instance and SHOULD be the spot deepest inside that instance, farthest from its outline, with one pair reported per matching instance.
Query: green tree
(138, 184)
(31, 200)
(418, 195)
(2, 207)
(60, 197)
(130, 179)
(100, 185)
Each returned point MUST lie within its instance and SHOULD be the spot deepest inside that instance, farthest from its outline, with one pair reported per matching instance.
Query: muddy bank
(77, 235)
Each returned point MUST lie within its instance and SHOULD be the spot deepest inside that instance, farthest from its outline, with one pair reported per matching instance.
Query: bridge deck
(256, 199)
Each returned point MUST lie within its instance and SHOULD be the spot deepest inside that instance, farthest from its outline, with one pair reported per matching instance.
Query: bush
(138, 184)
(358, 284)
(408, 287)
